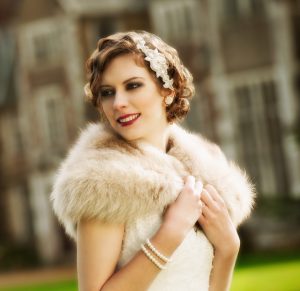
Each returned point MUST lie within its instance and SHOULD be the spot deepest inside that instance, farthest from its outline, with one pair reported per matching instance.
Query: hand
(216, 222)
(183, 213)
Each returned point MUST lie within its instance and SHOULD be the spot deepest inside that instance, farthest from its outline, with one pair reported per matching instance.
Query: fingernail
(199, 185)
(191, 180)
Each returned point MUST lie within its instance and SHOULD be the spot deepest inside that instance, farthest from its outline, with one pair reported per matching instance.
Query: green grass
(57, 286)
(281, 276)
(264, 272)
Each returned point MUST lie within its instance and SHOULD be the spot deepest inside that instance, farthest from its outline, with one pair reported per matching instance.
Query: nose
(120, 101)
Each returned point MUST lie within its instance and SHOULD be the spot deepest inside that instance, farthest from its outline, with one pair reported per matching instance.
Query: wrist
(171, 232)
(228, 251)
(166, 239)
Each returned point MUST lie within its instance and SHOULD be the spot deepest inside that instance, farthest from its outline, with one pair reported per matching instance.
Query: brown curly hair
(122, 43)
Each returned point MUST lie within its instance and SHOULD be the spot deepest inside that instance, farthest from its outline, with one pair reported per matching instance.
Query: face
(132, 101)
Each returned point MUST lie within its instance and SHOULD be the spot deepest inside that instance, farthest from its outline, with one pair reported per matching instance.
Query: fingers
(202, 219)
(213, 204)
(190, 182)
(212, 197)
(211, 201)
(207, 208)
(193, 186)
(207, 199)
(198, 188)
(214, 194)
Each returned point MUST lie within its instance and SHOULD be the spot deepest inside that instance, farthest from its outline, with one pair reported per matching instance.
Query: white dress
(192, 260)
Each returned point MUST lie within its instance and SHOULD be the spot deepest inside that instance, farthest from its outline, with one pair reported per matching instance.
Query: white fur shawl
(108, 178)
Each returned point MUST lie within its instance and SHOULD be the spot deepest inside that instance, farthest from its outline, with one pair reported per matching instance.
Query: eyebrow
(126, 81)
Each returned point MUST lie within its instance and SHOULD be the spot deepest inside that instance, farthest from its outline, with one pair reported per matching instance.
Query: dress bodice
(192, 260)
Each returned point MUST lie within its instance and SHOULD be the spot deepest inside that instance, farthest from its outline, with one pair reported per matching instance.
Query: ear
(167, 92)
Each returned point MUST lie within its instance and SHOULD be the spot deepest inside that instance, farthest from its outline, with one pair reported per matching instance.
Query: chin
(131, 136)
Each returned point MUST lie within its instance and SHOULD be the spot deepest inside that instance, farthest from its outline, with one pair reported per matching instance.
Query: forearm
(222, 271)
(140, 272)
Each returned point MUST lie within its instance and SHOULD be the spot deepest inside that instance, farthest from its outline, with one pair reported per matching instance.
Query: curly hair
(123, 43)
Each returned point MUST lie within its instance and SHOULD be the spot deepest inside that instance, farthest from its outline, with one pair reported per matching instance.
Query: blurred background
(244, 56)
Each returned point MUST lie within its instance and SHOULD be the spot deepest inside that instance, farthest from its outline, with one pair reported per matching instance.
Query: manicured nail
(199, 187)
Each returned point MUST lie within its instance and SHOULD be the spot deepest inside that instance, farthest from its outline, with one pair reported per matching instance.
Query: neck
(159, 139)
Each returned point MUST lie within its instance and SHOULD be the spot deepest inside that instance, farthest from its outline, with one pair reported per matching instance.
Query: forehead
(122, 68)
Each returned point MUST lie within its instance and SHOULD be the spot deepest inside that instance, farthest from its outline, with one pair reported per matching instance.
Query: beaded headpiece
(158, 62)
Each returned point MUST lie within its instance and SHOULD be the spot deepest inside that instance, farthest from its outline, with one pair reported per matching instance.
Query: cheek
(151, 102)
(105, 108)
(105, 113)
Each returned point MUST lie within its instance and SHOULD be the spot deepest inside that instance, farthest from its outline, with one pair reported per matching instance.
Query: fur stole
(108, 178)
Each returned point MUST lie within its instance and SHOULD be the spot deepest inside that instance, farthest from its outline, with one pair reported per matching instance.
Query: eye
(133, 85)
(106, 92)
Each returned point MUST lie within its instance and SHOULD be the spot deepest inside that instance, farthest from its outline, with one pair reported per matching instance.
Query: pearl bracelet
(152, 259)
(156, 252)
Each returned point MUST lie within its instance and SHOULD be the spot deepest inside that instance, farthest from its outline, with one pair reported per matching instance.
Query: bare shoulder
(99, 246)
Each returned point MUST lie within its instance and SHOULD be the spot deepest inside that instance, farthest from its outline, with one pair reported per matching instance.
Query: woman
(150, 205)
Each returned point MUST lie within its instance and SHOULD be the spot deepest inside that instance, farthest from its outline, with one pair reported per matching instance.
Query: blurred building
(245, 58)
(244, 55)
(254, 74)
(14, 206)
(51, 42)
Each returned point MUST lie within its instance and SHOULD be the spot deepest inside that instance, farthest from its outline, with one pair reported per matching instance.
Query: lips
(128, 117)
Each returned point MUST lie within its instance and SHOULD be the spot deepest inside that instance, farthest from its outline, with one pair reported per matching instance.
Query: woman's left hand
(217, 224)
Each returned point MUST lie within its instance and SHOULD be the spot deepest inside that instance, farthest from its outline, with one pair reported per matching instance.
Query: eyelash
(110, 92)
(133, 85)
(106, 93)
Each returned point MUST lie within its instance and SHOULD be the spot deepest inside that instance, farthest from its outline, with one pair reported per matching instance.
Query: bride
(150, 205)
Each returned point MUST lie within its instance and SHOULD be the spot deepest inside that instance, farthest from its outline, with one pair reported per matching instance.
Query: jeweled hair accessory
(87, 90)
(158, 62)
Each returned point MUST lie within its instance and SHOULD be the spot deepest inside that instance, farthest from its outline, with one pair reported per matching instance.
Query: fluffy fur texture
(105, 177)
